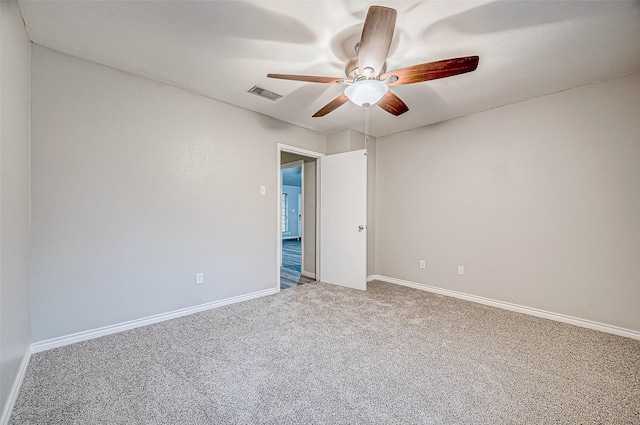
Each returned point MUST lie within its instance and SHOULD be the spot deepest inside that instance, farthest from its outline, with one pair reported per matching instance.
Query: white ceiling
(221, 49)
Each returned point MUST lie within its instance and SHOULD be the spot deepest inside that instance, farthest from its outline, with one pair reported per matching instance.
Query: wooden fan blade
(333, 105)
(377, 34)
(308, 78)
(392, 104)
(432, 70)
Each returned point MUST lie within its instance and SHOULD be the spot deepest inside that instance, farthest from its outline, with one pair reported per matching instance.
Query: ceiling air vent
(259, 91)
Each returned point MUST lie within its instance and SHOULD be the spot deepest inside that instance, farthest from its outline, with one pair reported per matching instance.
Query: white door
(343, 219)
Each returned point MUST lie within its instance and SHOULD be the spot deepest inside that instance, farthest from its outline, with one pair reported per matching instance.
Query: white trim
(317, 220)
(111, 329)
(15, 388)
(584, 323)
(299, 151)
(301, 213)
(308, 274)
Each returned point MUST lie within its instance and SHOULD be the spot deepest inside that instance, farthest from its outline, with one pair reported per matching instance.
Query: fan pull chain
(366, 127)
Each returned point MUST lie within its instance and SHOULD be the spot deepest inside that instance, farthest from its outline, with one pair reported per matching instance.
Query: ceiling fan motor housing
(352, 72)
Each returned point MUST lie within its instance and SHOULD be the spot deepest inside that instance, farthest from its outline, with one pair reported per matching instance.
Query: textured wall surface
(538, 200)
(14, 196)
(138, 186)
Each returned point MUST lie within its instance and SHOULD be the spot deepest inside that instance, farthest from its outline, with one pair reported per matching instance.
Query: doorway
(302, 249)
(297, 219)
(334, 242)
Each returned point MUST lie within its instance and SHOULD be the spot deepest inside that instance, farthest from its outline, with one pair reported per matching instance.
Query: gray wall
(135, 190)
(371, 205)
(14, 195)
(539, 201)
(339, 142)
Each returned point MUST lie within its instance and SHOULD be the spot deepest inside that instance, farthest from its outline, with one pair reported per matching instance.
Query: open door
(343, 221)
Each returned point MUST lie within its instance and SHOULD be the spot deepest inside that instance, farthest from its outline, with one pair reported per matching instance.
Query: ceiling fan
(367, 80)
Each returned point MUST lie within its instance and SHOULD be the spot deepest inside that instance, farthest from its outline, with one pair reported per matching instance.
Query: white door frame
(300, 151)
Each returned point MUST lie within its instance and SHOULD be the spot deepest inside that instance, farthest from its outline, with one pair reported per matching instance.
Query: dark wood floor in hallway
(290, 272)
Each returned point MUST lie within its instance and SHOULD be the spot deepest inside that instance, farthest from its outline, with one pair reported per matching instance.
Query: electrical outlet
(423, 264)
(460, 269)
(199, 278)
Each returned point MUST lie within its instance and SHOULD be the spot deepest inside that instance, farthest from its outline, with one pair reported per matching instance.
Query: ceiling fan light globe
(366, 91)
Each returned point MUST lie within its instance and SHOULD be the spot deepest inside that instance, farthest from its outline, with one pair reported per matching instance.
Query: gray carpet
(320, 354)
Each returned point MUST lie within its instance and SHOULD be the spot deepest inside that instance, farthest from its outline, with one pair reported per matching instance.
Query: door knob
(360, 228)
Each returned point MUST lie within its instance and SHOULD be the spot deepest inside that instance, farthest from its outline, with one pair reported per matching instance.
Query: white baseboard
(15, 389)
(308, 274)
(513, 307)
(111, 329)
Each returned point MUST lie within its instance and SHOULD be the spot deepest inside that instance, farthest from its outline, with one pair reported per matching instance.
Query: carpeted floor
(320, 354)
